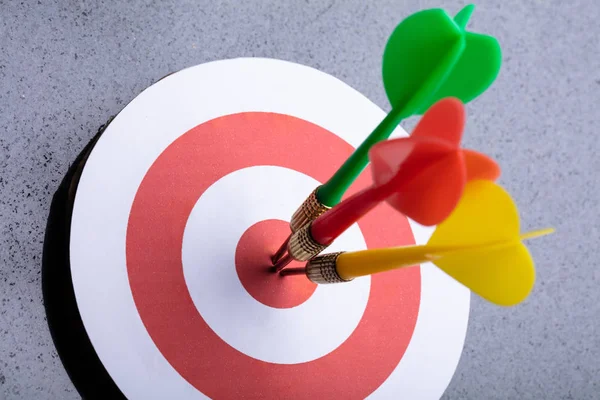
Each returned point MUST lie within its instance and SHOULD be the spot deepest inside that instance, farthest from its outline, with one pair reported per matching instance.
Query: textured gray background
(66, 66)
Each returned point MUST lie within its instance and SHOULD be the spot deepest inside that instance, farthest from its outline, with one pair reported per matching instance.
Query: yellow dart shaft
(360, 263)
(351, 265)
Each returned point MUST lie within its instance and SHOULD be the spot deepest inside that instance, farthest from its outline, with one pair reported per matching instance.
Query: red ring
(158, 217)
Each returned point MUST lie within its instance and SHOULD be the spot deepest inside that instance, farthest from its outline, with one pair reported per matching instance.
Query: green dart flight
(429, 56)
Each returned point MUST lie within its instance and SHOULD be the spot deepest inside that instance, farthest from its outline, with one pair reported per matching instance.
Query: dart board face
(179, 205)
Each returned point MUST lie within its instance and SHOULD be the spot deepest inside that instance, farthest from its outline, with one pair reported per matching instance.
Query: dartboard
(155, 267)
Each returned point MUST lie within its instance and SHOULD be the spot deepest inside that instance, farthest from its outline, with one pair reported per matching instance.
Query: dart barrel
(308, 211)
(302, 246)
(322, 269)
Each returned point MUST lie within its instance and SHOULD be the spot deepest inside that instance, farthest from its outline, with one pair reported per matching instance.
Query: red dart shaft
(421, 153)
(326, 228)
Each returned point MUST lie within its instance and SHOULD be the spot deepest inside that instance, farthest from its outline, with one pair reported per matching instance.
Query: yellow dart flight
(479, 245)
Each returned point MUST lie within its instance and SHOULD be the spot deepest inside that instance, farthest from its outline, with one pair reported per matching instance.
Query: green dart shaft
(332, 191)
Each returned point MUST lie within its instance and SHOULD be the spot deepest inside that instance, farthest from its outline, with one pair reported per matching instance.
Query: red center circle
(253, 265)
(159, 213)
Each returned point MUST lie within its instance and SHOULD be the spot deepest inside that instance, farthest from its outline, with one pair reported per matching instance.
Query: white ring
(269, 334)
(125, 152)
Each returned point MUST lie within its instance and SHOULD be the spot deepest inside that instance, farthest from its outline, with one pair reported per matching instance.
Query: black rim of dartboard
(73, 345)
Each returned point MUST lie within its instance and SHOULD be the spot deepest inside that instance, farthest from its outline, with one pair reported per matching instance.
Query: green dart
(429, 56)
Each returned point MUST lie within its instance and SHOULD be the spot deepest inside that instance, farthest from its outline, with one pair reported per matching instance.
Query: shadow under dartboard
(64, 320)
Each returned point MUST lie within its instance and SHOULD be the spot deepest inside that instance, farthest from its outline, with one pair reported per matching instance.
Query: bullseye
(252, 263)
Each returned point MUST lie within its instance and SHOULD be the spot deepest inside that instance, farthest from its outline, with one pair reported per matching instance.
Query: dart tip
(292, 271)
(537, 233)
(283, 262)
(281, 251)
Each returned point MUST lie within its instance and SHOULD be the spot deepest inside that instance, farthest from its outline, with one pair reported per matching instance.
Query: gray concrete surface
(66, 66)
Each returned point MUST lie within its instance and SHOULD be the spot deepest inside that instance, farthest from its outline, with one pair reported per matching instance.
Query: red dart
(422, 176)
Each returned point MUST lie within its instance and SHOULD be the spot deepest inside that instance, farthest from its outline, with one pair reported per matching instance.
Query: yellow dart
(479, 245)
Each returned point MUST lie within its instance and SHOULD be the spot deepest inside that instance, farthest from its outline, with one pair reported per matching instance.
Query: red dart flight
(422, 176)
